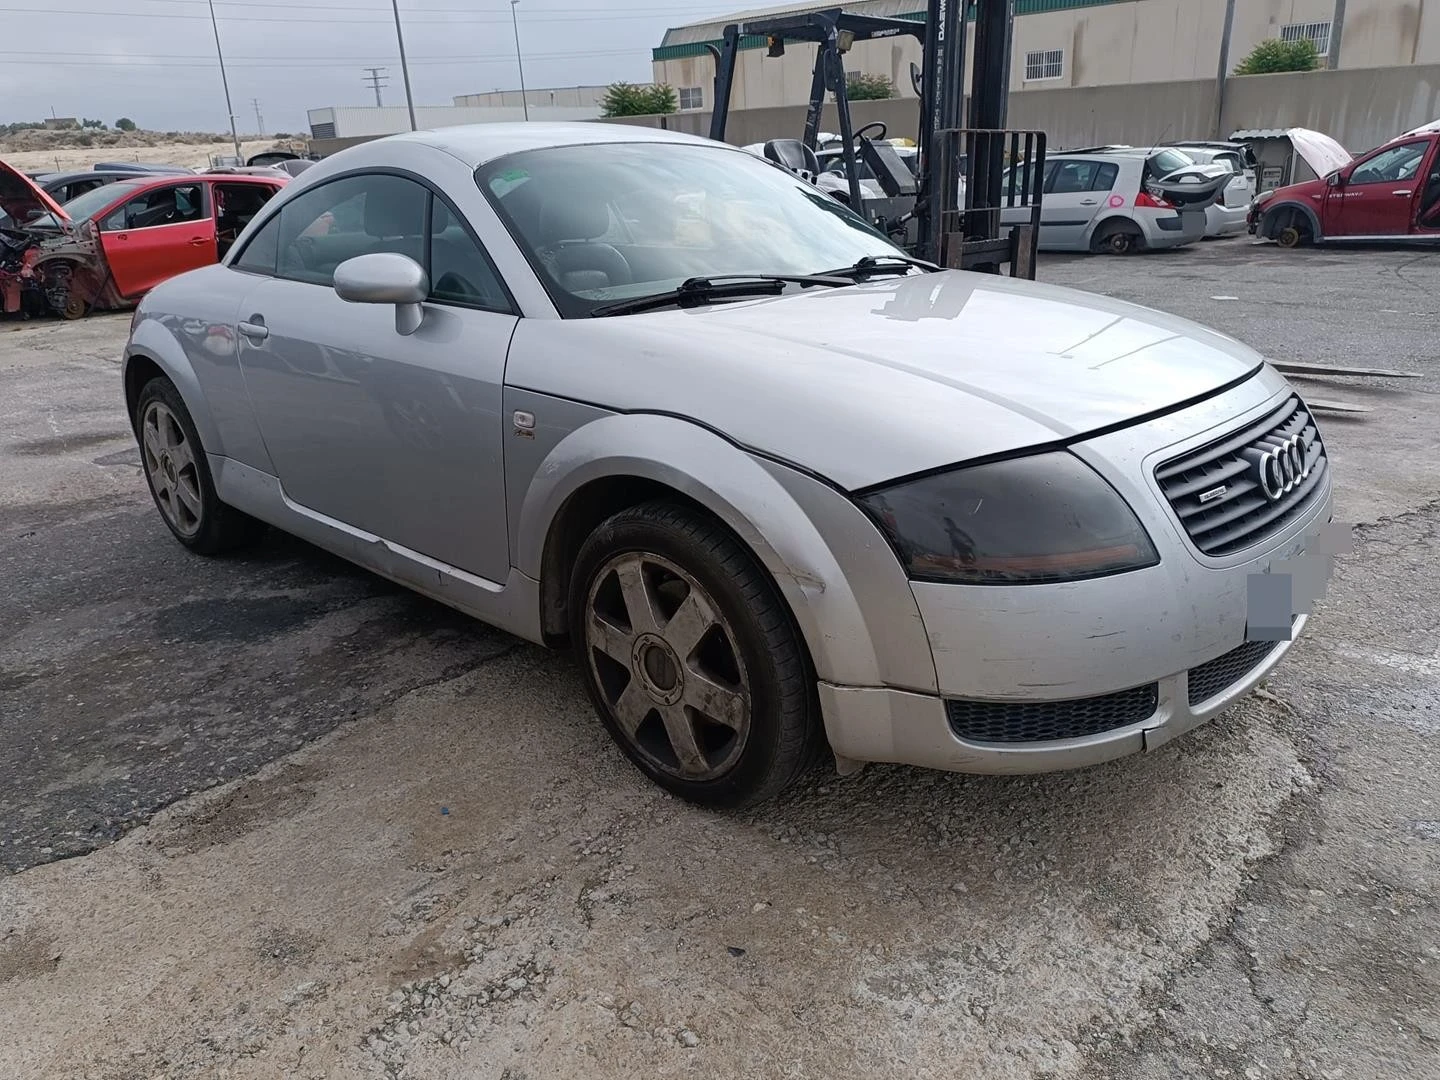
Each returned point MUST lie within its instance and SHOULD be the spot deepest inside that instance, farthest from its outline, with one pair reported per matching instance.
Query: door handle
(1088, 202)
(1407, 194)
(198, 241)
(255, 328)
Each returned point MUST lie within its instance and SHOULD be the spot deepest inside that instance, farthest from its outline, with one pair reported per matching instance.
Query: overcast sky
(154, 60)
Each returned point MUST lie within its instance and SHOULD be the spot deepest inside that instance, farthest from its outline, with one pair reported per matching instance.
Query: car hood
(868, 383)
(1322, 153)
(19, 195)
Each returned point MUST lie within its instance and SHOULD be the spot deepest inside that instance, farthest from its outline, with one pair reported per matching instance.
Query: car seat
(399, 223)
(570, 229)
(795, 156)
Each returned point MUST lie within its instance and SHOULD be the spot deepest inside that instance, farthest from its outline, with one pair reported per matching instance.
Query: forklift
(948, 212)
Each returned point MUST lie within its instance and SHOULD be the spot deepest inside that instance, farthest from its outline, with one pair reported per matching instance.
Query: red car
(1391, 194)
(108, 247)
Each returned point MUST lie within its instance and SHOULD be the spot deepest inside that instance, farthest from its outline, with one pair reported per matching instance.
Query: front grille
(1045, 721)
(1219, 491)
(1215, 676)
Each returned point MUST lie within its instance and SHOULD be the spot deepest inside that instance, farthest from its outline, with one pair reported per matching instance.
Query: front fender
(840, 579)
(151, 340)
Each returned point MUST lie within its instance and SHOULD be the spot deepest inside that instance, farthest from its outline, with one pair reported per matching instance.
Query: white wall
(354, 121)
(1129, 42)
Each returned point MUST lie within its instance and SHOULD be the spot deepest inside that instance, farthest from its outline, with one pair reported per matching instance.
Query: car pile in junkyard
(79, 242)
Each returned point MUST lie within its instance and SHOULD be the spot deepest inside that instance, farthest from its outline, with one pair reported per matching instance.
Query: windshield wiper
(870, 265)
(693, 292)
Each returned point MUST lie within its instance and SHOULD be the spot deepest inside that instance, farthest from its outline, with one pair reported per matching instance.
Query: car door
(397, 436)
(1427, 209)
(1070, 203)
(1377, 196)
(162, 231)
(1015, 184)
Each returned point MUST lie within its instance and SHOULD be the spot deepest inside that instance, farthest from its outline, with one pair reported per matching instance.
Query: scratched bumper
(884, 725)
(1181, 622)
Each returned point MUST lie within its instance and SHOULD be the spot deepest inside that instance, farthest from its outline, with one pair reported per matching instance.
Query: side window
(259, 254)
(172, 205)
(1391, 166)
(1072, 176)
(357, 215)
(460, 273)
(1105, 176)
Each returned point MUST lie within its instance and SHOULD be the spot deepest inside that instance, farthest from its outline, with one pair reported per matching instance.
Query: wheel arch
(1101, 226)
(153, 351)
(1275, 218)
(622, 460)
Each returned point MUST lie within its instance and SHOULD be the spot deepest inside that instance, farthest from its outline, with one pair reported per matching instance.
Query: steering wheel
(877, 124)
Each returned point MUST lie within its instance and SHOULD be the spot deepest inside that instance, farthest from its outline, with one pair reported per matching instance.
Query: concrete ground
(272, 816)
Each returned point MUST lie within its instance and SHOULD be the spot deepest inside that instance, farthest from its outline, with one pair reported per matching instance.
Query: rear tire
(1120, 238)
(178, 475)
(691, 658)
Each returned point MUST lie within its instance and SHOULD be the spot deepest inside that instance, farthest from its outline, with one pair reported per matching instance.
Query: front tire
(691, 658)
(178, 475)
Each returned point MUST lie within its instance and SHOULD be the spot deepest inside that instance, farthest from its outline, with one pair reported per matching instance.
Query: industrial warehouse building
(1072, 43)
(335, 127)
(1106, 71)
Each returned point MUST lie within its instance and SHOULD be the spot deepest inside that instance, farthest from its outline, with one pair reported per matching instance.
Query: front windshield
(614, 221)
(91, 202)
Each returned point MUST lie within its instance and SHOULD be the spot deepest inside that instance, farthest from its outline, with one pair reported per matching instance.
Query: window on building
(692, 97)
(1046, 64)
(1318, 32)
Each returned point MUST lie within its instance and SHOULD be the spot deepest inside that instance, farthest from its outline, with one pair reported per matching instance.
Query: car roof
(475, 144)
(91, 174)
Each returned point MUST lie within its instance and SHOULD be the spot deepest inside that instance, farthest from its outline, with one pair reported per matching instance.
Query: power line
(586, 16)
(376, 81)
(259, 120)
(162, 63)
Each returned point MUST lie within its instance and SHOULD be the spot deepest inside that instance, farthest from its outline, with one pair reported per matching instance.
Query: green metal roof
(757, 41)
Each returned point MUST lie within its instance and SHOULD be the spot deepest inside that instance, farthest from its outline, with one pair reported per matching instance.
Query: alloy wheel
(666, 662)
(170, 464)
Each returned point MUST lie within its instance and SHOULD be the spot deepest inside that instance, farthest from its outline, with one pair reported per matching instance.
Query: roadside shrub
(627, 99)
(862, 87)
(1273, 56)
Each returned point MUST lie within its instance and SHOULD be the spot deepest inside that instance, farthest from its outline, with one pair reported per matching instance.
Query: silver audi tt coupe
(783, 490)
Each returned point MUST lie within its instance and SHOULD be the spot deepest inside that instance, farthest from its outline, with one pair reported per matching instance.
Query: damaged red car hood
(20, 197)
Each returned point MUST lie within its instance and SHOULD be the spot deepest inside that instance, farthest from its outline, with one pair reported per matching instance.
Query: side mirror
(386, 278)
(1335, 179)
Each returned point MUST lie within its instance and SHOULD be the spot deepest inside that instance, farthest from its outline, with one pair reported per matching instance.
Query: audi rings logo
(1282, 467)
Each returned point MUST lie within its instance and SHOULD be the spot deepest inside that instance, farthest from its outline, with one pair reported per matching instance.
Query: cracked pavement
(272, 816)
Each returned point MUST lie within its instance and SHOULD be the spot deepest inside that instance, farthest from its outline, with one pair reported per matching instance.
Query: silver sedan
(783, 490)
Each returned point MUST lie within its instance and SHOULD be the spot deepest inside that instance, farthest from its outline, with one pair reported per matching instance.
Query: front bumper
(1087, 671)
(884, 725)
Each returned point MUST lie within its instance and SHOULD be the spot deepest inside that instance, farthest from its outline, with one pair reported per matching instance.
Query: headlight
(1028, 520)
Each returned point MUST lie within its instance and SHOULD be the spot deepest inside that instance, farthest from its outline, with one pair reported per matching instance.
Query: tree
(861, 87)
(1273, 56)
(125, 124)
(627, 99)
(97, 124)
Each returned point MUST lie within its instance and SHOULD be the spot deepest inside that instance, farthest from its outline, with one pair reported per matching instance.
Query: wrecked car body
(109, 246)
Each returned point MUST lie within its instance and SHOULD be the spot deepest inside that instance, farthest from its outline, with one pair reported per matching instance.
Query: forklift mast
(957, 192)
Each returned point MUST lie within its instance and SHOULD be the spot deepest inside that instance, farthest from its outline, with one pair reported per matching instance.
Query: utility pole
(404, 67)
(1337, 26)
(259, 120)
(376, 81)
(514, 22)
(1224, 73)
(229, 109)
